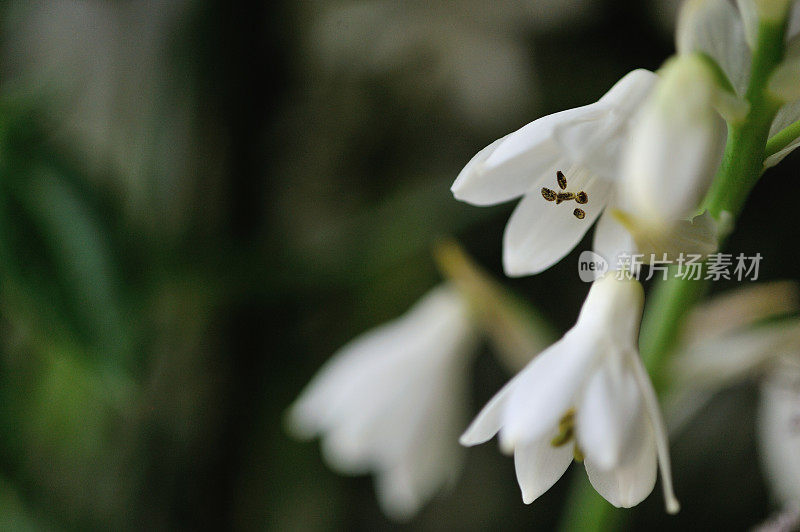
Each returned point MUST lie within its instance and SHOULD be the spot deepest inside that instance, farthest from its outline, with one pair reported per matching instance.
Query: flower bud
(676, 144)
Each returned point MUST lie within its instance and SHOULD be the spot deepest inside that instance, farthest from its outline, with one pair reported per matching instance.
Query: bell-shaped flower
(564, 165)
(588, 397)
(727, 34)
(391, 402)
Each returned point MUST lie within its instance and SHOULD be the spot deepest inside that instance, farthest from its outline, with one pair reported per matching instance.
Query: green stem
(741, 167)
(782, 138)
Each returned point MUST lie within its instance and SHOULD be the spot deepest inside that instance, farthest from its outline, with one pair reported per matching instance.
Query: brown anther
(579, 214)
(562, 181)
(548, 194)
(564, 196)
(582, 197)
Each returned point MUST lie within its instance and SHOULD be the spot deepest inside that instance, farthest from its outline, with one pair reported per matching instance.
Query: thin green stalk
(782, 138)
(740, 169)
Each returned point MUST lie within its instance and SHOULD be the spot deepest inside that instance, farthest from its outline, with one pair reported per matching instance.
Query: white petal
(784, 82)
(787, 115)
(435, 328)
(540, 233)
(659, 431)
(779, 437)
(612, 240)
(391, 401)
(749, 14)
(539, 465)
(488, 422)
(731, 358)
(793, 31)
(607, 412)
(396, 495)
(739, 309)
(546, 390)
(597, 145)
(632, 481)
(511, 166)
(612, 313)
(429, 458)
(715, 28)
(477, 186)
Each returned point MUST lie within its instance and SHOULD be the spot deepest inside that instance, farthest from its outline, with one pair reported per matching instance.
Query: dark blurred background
(200, 202)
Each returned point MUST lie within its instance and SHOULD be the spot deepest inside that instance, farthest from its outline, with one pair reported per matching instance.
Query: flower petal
(721, 361)
(607, 412)
(749, 14)
(611, 240)
(512, 165)
(787, 115)
(632, 481)
(436, 328)
(597, 145)
(779, 437)
(783, 82)
(715, 28)
(659, 431)
(539, 465)
(426, 456)
(540, 233)
(490, 419)
(546, 390)
(739, 309)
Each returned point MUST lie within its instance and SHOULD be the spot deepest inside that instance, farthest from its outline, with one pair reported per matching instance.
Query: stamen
(582, 197)
(564, 196)
(563, 437)
(548, 194)
(566, 429)
(562, 181)
(577, 454)
(579, 214)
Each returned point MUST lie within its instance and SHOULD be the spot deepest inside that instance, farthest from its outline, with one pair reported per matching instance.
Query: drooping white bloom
(727, 346)
(676, 144)
(716, 28)
(589, 396)
(391, 402)
(779, 429)
(584, 144)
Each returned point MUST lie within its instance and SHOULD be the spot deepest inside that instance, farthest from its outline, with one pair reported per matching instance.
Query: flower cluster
(642, 162)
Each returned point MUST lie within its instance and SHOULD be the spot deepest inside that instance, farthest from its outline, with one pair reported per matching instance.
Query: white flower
(589, 396)
(726, 346)
(716, 28)
(391, 402)
(584, 144)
